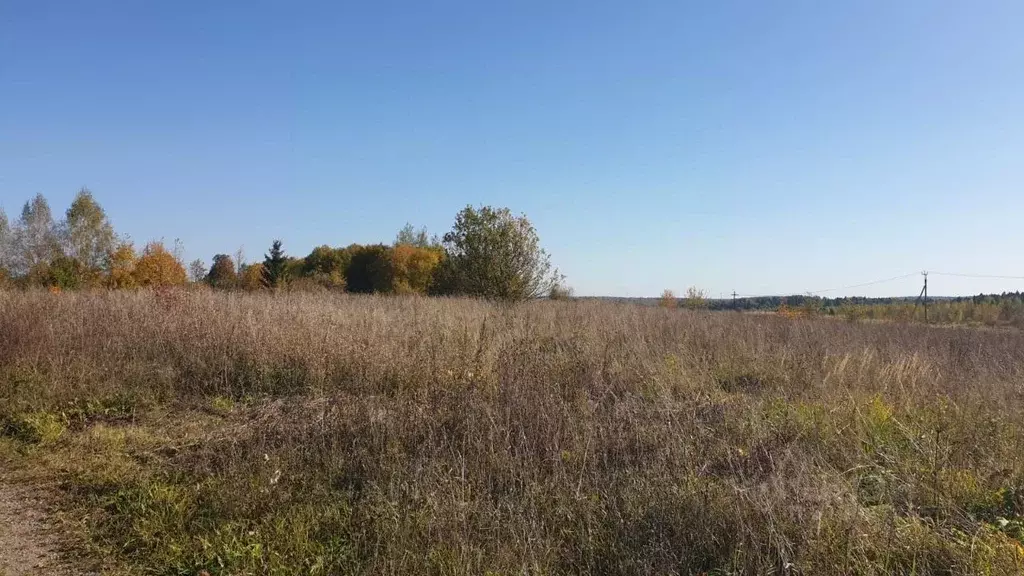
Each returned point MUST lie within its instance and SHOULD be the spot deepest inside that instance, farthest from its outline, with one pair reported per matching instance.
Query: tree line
(825, 304)
(489, 253)
(1006, 309)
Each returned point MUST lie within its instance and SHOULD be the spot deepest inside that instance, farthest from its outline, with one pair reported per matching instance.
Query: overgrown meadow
(333, 434)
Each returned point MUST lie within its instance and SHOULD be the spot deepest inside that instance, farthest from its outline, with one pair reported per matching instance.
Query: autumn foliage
(413, 268)
(668, 299)
(158, 267)
(222, 274)
(251, 277)
(489, 253)
(121, 267)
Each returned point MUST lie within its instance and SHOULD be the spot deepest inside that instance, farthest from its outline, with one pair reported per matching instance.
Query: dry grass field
(328, 434)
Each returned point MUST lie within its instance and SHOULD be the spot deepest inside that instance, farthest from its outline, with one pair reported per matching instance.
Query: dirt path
(28, 544)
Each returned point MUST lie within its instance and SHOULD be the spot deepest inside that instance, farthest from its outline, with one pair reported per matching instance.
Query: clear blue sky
(767, 147)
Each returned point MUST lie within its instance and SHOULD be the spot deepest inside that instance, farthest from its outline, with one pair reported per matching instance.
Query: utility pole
(923, 296)
(734, 300)
(925, 273)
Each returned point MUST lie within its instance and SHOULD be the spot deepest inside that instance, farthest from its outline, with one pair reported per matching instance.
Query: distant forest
(825, 304)
(1006, 309)
(774, 303)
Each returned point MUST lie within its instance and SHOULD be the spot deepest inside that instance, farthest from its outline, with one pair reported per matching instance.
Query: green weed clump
(34, 427)
(331, 434)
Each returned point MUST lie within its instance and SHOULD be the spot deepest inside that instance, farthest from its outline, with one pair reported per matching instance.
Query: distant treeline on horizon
(823, 303)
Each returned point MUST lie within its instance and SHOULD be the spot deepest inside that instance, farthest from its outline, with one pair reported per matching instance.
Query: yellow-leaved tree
(251, 277)
(158, 267)
(413, 268)
(121, 267)
(668, 299)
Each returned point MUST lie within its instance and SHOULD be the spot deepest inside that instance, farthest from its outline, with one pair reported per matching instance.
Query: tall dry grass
(335, 434)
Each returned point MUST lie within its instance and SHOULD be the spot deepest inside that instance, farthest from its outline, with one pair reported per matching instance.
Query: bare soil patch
(29, 543)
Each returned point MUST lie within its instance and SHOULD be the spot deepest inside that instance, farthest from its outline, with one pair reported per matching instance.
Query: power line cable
(996, 276)
(872, 283)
